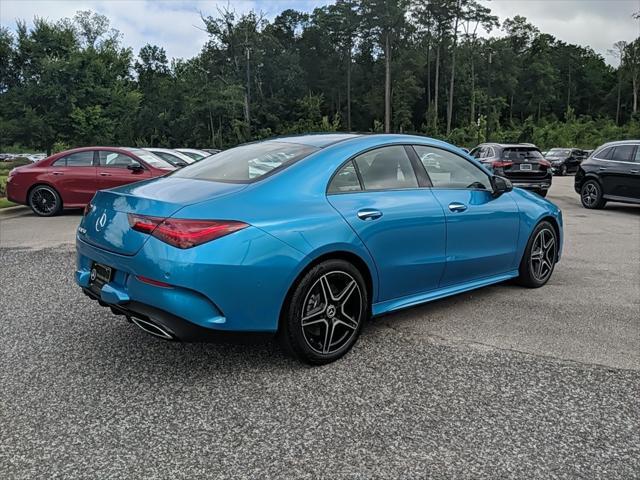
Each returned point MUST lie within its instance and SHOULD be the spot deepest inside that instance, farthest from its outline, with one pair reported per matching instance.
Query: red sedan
(70, 179)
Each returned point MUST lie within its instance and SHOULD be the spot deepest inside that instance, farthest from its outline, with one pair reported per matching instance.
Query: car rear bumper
(225, 285)
(531, 184)
(16, 193)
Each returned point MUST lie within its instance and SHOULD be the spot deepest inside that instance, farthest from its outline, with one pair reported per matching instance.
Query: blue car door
(482, 229)
(401, 224)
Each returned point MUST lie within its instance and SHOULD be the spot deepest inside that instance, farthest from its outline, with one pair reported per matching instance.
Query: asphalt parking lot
(501, 382)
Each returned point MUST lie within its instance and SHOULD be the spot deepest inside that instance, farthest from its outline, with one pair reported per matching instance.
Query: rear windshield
(150, 158)
(246, 163)
(520, 153)
(559, 152)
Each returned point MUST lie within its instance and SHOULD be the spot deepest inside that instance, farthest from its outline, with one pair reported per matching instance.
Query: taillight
(501, 164)
(184, 233)
(545, 163)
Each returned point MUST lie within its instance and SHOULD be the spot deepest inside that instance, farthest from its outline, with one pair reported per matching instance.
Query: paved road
(501, 382)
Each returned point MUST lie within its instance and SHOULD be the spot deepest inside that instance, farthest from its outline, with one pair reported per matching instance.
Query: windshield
(559, 152)
(246, 163)
(150, 158)
(194, 155)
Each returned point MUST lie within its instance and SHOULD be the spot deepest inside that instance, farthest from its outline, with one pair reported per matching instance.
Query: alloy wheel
(331, 312)
(44, 201)
(543, 255)
(590, 195)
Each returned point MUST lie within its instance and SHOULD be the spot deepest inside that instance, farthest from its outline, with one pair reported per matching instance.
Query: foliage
(370, 65)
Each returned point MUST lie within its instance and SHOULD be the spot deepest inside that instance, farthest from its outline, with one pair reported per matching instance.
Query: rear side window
(115, 159)
(346, 180)
(448, 170)
(246, 163)
(80, 159)
(386, 168)
(622, 153)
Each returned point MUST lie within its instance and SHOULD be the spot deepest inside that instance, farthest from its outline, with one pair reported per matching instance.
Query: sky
(176, 25)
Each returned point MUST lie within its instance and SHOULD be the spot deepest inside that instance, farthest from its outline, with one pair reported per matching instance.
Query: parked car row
(71, 178)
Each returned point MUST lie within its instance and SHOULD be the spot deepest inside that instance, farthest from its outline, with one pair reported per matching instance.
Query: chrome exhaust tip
(152, 328)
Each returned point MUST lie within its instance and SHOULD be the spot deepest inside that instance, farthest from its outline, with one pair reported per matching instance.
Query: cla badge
(101, 222)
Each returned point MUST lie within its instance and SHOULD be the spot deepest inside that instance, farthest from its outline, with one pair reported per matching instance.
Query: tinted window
(448, 170)
(476, 152)
(520, 153)
(346, 180)
(637, 156)
(115, 159)
(80, 159)
(559, 152)
(604, 154)
(172, 159)
(247, 162)
(386, 168)
(622, 153)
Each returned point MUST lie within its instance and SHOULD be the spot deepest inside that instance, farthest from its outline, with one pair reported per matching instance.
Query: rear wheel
(591, 195)
(540, 256)
(45, 201)
(324, 316)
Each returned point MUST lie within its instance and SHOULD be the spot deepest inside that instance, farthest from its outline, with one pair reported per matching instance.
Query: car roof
(510, 145)
(619, 142)
(319, 140)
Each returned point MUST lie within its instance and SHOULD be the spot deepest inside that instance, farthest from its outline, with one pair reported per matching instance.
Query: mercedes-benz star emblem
(101, 222)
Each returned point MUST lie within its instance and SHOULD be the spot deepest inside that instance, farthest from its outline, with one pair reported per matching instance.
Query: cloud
(594, 23)
(176, 25)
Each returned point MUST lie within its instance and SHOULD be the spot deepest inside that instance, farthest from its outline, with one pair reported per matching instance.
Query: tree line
(418, 66)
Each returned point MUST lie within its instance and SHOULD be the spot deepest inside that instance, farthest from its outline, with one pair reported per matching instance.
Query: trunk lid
(525, 162)
(106, 225)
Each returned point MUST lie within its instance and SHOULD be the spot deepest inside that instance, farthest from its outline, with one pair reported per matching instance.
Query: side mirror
(135, 167)
(501, 185)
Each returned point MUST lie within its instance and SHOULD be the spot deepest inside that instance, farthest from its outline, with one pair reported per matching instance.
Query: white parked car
(194, 153)
(174, 157)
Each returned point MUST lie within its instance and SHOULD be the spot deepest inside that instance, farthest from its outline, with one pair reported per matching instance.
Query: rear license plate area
(525, 166)
(99, 276)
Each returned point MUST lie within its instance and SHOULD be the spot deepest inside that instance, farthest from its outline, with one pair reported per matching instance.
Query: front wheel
(540, 256)
(591, 195)
(45, 201)
(325, 313)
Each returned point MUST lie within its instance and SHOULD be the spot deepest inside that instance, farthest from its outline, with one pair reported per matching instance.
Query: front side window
(115, 159)
(346, 180)
(448, 170)
(246, 163)
(80, 159)
(386, 168)
(622, 153)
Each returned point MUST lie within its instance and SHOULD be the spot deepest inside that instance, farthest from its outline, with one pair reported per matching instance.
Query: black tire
(542, 193)
(312, 343)
(536, 267)
(45, 201)
(591, 195)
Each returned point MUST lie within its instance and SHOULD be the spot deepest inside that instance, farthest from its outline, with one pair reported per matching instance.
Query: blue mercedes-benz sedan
(309, 236)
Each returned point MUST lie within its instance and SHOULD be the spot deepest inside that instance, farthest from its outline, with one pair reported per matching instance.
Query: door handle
(635, 171)
(457, 207)
(369, 214)
(104, 174)
(602, 168)
(57, 173)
